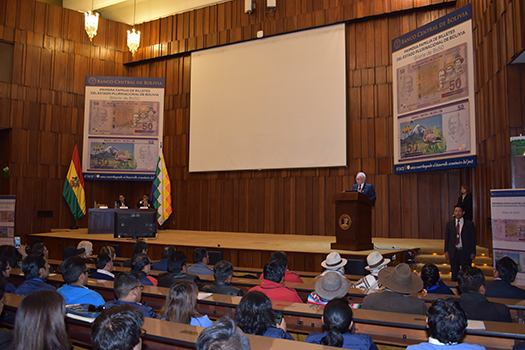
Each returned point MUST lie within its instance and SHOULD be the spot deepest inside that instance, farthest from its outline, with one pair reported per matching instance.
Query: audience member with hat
(399, 283)
(71, 251)
(376, 263)
(333, 262)
(329, 286)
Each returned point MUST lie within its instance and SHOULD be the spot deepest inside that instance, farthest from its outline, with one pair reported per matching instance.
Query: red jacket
(278, 292)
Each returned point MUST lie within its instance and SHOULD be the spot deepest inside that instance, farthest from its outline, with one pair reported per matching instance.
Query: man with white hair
(363, 187)
(376, 263)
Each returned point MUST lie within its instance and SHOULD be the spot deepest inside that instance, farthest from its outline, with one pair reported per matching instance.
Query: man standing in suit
(363, 187)
(460, 242)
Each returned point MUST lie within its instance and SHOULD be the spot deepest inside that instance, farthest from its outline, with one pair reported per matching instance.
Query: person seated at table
(222, 335)
(471, 283)
(446, 323)
(128, 290)
(5, 270)
(333, 262)
(142, 266)
(40, 248)
(289, 276)
(223, 273)
(75, 274)
(504, 274)
(104, 268)
(36, 271)
(119, 327)
(272, 284)
(330, 286)
(122, 201)
(376, 262)
(145, 202)
(201, 259)
(88, 251)
(6, 337)
(162, 265)
(432, 283)
(177, 271)
(40, 320)
(399, 283)
(13, 255)
(110, 250)
(71, 251)
(254, 315)
(140, 247)
(337, 322)
(181, 305)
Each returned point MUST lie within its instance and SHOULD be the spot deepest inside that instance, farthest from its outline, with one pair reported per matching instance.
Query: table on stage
(103, 220)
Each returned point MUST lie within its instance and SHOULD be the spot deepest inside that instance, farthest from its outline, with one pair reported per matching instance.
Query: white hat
(333, 261)
(375, 261)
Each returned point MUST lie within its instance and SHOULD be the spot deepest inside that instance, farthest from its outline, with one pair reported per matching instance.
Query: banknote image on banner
(122, 127)
(433, 94)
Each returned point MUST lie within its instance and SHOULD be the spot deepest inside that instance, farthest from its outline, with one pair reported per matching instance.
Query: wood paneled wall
(44, 106)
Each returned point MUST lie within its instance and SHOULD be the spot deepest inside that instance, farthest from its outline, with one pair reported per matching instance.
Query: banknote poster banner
(123, 128)
(433, 96)
(508, 227)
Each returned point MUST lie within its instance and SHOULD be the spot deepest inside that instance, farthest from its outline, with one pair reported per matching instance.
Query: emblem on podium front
(345, 222)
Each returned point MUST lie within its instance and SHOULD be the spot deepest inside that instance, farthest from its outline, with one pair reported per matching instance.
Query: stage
(305, 253)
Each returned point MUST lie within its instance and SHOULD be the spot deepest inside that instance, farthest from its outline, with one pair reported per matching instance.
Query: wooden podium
(353, 221)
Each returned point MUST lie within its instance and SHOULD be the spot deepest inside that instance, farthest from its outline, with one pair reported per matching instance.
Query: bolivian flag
(74, 187)
(161, 191)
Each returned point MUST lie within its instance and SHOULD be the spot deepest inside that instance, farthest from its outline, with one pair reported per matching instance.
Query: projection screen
(271, 103)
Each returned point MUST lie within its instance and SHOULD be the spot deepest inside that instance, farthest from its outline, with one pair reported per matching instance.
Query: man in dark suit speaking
(460, 242)
(363, 187)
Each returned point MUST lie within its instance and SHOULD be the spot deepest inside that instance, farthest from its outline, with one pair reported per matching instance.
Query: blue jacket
(33, 285)
(440, 288)
(146, 310)
(460, 346)
(503, 289)
(369, 190)
(350, 341)
(80, 295)
(100, 276)
(200, 269)
(161, 265)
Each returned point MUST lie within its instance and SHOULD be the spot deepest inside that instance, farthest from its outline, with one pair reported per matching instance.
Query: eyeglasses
(142, 332)
(141, 287)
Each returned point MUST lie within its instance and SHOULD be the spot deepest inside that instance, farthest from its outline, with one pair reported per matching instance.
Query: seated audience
(289, 276)
(88, 251)
(223, 273)
(129, 291)
(119, 327)
(40, 322)
(446, 322)
(13, 255)
(376, 263)
(71, 251)
(162, 265)
(140, 247)
(181, 305)
(254, 315)
(329, 286)
(504, 274)
(145, 202)
(142, 266)
(104, 268)
(40, 248)
(333, 262)
(399, 283)
(338, 321)
(432, 283)
(223, 335)
(272, 284)
(200, 260)
(471, 283)
(6, 338)
(5, 269)
(177, 271)
(36, 271)
(75, 274)
(111, 252)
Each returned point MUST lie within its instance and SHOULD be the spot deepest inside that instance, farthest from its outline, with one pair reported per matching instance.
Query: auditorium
(313, 97)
